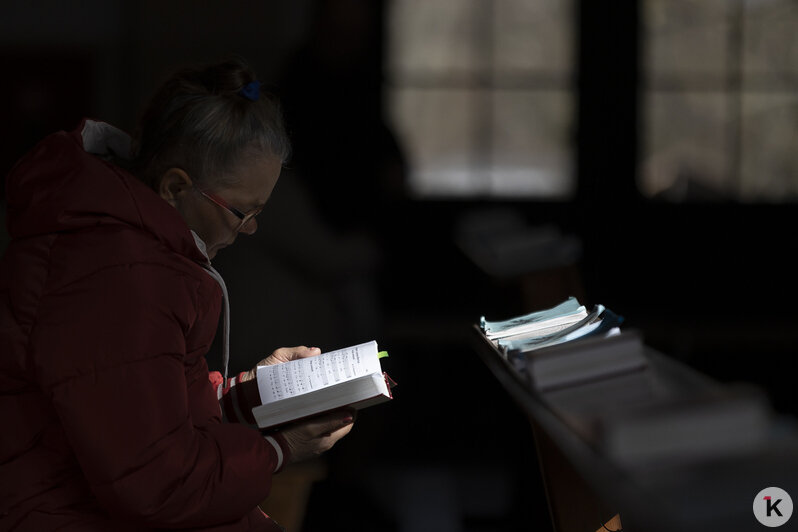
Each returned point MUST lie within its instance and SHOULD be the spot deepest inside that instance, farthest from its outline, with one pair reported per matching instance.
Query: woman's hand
(312, 437)
(284, 354)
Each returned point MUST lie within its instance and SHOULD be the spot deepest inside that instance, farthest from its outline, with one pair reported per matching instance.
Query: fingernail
(347, 420)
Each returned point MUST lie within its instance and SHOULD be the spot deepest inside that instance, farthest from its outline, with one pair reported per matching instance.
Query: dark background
(344, 255)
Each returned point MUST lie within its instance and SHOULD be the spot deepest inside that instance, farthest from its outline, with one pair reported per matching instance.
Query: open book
(348, 377)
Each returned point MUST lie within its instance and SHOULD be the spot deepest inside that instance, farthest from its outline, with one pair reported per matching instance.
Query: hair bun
(250, 91)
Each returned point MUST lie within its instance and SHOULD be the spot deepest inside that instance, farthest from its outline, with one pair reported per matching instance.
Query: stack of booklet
(566, 344)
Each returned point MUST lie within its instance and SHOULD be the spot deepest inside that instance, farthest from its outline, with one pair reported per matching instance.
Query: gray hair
(199, 122)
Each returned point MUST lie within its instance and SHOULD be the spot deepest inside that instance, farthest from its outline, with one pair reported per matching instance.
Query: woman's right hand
(310, 438)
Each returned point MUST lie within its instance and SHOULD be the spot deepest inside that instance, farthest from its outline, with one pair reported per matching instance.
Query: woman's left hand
(284, 354)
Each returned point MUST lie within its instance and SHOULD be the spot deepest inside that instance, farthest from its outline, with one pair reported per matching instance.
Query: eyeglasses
(244, 217)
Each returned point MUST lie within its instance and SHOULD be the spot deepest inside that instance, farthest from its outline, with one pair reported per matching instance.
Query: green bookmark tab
(382, 354)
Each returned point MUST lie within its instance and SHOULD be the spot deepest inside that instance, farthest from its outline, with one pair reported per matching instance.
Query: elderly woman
(109, 303)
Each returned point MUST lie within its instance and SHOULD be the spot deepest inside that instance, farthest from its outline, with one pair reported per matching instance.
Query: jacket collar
(68, 182)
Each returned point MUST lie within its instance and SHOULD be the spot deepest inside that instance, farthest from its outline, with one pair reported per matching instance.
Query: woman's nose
(250, 227)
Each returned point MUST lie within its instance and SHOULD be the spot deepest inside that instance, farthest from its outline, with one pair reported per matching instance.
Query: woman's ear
(173, 184)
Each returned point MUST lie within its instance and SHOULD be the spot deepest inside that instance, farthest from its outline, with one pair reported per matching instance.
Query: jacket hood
(65, 184)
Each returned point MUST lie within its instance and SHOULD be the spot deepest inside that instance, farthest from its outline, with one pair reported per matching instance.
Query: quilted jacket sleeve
(236, 400)
(110, 350)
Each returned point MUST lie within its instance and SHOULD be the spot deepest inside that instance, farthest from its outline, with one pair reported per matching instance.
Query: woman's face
(202, 206)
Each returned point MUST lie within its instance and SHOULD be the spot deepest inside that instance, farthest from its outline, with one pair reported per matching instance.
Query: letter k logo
(772, 506)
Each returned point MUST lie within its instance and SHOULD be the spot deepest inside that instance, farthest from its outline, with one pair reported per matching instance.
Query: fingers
(340, 433)
(317, 435)
(328, 424)
(283, 354)
(328, 438)
(326, 441)
(286, 354)
(302, 352)
(248, 376)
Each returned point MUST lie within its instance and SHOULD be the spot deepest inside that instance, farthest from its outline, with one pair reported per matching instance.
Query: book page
(307, 374)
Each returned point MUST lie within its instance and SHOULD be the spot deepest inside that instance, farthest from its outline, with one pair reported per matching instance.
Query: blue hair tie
(251, 91)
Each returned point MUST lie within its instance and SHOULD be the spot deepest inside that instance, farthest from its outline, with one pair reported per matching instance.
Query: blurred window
(720, 100)
(481, 96)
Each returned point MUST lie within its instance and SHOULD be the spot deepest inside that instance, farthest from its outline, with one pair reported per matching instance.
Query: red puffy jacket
(109, 419)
